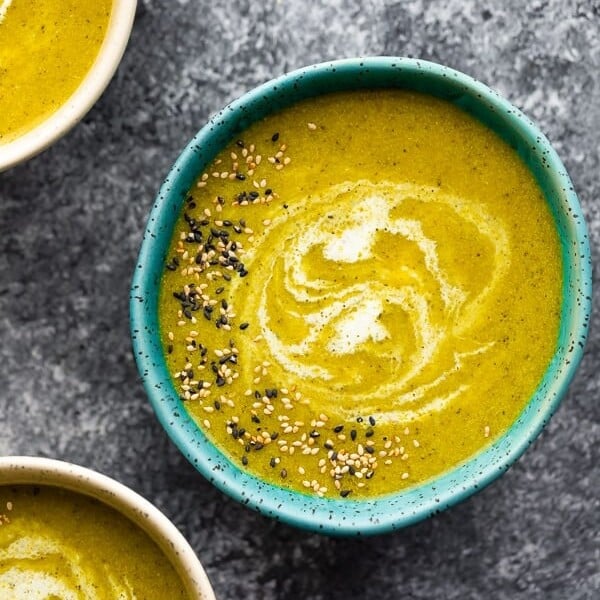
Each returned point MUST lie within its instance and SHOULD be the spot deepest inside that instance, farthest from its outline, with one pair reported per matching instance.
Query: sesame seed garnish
(338, 456)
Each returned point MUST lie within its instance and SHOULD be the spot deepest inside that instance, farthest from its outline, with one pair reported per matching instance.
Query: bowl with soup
(69, 532)
(363, 289)
(57, 58)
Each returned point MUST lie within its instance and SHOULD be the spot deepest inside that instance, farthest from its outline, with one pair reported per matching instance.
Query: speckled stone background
(71, 222)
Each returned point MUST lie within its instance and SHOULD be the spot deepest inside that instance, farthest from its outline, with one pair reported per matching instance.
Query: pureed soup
(46, 49)
(362, 292)
(62, 545)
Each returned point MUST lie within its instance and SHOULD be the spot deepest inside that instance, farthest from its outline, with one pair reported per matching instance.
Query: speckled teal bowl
(362, 517)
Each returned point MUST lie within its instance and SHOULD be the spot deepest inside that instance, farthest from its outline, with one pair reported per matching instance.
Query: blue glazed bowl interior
(362, 517)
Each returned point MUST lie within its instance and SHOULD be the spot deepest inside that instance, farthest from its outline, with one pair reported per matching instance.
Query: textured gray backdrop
(71, 221)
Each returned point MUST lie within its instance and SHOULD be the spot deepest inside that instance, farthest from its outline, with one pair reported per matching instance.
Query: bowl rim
(379, 514)
(58, 123)
(37, 470)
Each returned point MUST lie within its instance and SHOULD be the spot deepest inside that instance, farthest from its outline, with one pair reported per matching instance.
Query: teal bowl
(391, 512)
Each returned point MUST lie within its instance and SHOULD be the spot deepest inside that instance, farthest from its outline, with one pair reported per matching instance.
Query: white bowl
(91, 87)
(16, 470)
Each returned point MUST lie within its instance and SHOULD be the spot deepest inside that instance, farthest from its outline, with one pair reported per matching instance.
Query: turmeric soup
(46, 49)
(362, 292)
(61, 545)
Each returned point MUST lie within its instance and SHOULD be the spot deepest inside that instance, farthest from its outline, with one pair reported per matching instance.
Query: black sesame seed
(273, 463)
(344, 493)
(372, 421)
(274, 435)
(359, 419)
(275, 136)
(244, 460)
(255, 419)
(240, 176)
(283, 473)
(220, 381)
(219, 290)
(351, 470)
(369, 474)
(170, 348)
(258, 446)
(217, 405)
(268, 192)
(244, 325)
(353, 434)
(240, 143)
(338, 428)
(369, 433)
(314, 434)
(369, 449)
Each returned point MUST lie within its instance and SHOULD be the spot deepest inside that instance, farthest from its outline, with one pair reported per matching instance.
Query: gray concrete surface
(71, 221)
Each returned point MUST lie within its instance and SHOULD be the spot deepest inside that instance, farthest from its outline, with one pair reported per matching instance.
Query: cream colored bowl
(58, 123)
(44, 471)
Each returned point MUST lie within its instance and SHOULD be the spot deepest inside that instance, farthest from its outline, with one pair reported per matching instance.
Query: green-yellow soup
(61, 545)
(46, 49)
(362, 292)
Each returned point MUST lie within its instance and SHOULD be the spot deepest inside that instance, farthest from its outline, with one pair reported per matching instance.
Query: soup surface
(59, 545)
(46, 49)
(362, 292)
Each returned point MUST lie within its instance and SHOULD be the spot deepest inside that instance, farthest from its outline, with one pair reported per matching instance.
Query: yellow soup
(46, 49)
(65, 546)
(362, 292)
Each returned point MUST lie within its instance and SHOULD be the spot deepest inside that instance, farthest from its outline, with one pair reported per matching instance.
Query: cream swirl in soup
(358, 280)
(4, 6)
(38, 568)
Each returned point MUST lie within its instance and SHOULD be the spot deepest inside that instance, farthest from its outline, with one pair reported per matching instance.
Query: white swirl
(37, 569)
(4, 8)
(344, 300)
